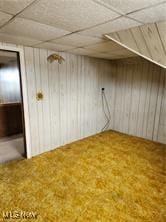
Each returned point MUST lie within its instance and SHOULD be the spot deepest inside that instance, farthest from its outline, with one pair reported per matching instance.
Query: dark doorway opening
(12, 127)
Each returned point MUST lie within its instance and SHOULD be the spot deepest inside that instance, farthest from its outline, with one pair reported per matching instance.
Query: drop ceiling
(148, 41)
(75, 26)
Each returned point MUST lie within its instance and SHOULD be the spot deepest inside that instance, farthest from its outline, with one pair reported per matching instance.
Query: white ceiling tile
(31, 29)
(127, 6)
(77, 40)
(154, 14)
(100, 55)
(104, 47)
(17, 40)
(120, 56)
(70, 15)
(114, 54)
(123, 52)
(4, 18)
(105, 56)
(112, 26)
(14, 6)
(81, 51)
(110, 56)
(53, 46)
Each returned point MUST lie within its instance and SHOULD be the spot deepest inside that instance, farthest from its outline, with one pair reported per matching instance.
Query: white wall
(71, 108)
(161, 133)
(139, 100)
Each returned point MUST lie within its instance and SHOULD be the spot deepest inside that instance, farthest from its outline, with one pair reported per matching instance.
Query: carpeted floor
(107, 177)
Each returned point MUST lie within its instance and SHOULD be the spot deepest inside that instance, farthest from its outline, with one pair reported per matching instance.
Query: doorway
(12, 127)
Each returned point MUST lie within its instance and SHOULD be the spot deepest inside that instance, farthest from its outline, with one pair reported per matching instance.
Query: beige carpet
(107, 177)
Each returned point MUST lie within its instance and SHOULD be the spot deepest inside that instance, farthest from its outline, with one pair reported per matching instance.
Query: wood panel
(161, 135)
(140, 104)
(126, 37)
(69, 110)
(140, 41)
(72, 109)
(32, 105)
(154, 43)
(161, 26)
(148, 41)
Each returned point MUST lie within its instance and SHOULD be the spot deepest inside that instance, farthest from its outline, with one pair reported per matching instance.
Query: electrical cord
(106, 112)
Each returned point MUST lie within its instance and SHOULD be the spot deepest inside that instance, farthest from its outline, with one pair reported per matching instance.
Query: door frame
(20, 51)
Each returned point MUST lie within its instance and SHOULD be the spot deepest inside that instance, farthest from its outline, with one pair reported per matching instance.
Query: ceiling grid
(76, 26)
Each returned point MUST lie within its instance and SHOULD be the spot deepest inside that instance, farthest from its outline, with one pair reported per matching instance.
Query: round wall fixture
(39, 96)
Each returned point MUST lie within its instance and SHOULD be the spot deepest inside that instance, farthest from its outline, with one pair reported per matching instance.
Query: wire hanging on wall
(106, 110)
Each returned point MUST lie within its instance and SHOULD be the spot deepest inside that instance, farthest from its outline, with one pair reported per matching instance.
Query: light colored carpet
(107, 177)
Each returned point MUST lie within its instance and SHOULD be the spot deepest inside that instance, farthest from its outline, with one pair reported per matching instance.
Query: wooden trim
(24, 94)
(132, 50)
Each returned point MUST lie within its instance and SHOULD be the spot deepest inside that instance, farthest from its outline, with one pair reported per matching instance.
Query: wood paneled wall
(161, 135)
(139, 101)
(148, 40)
(71, 108)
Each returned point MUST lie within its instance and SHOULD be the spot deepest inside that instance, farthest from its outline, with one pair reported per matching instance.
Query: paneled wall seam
(163, 89)
(155, 116)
